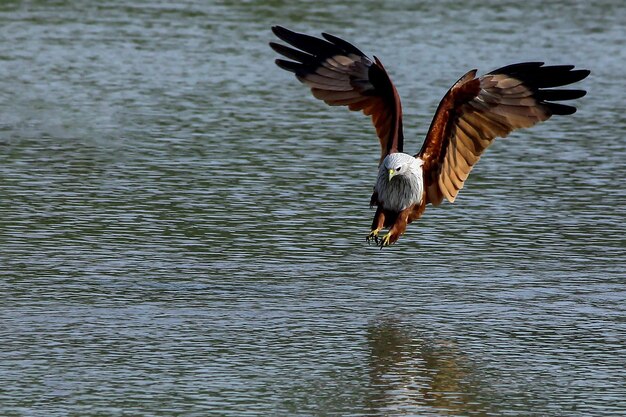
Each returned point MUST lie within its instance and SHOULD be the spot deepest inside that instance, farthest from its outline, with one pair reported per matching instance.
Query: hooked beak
(392, 173)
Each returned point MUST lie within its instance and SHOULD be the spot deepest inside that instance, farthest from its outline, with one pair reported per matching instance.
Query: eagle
(473, 112)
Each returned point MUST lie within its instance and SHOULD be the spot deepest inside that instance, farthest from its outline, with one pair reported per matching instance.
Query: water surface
(182, 227)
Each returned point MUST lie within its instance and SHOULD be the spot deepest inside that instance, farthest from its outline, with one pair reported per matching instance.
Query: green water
(182, 227)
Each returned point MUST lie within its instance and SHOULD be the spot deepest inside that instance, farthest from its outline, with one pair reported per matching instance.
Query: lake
(182, 226)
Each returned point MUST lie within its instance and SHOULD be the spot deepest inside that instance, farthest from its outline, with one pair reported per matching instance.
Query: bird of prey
(473, 112)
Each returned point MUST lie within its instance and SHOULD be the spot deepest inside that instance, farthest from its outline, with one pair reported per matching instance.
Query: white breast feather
(403, 190)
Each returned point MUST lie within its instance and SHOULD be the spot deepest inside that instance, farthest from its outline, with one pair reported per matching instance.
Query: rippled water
(182, 226)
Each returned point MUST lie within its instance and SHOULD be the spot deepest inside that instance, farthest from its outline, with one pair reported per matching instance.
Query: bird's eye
(398, 169)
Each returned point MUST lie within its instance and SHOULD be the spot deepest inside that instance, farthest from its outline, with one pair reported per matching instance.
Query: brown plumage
(341, 75)
(469, 117)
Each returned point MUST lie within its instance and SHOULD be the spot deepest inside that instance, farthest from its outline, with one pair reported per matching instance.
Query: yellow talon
(373, 236)
(385, 240)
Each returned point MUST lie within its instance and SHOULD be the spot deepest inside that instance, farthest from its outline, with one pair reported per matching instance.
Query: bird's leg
(398, 228)
(377, 225)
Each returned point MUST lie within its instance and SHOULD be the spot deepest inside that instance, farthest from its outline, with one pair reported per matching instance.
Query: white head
(399, 164)
(400, 181)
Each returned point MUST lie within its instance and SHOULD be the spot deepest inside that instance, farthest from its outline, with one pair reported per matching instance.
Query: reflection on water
(421, 374)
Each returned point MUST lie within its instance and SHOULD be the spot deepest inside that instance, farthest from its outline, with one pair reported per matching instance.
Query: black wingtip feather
(536, 75)
(516, 68)
(558, 95)
(291, 53)
(345, 45)
(281, 31)
(309, 44)
(560, 109)
(542, 78)
(289, 65)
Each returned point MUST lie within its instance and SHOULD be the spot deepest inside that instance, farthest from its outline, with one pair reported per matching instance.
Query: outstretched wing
(342, 75)
(477, 110)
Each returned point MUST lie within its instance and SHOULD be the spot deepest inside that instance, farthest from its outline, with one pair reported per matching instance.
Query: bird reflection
(413, 373)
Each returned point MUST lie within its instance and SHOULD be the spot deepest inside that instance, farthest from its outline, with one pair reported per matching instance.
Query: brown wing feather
(341, 75)
(477, 110)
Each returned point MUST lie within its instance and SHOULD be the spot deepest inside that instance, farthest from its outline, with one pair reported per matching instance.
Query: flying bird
(473, 112)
